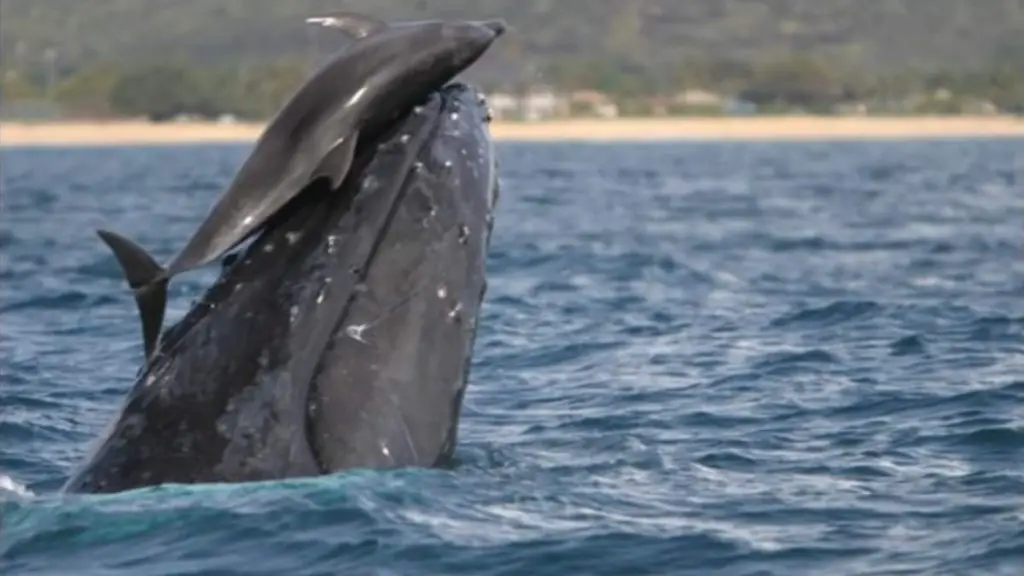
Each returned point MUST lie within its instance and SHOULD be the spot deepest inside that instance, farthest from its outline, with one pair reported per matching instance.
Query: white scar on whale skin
(405, 432)
(454, 312)
(355, 331)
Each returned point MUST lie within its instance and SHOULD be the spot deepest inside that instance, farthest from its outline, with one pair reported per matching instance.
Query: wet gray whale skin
(340, 338)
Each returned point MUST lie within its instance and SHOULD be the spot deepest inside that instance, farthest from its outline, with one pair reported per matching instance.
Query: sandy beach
(126, 132)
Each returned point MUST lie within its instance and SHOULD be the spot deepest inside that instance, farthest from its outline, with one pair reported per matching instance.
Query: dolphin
(341, 337)
(316, 133)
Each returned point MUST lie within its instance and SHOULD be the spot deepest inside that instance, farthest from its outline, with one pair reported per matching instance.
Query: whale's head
(405, 330)
(463, 133)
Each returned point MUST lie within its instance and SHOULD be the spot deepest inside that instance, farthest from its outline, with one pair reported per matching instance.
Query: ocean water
(695, 358)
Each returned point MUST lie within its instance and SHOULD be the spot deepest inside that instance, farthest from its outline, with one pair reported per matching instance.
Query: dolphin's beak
(496, 26)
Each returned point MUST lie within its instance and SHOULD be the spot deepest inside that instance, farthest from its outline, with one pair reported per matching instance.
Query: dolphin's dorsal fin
(355, 25)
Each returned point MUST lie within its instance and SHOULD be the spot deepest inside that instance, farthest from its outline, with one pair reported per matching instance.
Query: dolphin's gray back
(334, 101)
(226, 397)
(389, 387)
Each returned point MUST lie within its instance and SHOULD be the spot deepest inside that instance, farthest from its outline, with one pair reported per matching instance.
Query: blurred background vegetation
(211, 58)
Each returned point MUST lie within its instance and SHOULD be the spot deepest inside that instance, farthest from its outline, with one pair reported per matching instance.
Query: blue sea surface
(695, 358)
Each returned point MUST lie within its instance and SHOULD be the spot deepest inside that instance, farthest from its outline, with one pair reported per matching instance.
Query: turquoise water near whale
(695, 358)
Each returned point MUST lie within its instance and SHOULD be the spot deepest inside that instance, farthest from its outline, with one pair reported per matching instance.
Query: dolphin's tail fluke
(147, 279)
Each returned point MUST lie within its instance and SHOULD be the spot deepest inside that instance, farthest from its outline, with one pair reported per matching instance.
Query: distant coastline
(132, 132)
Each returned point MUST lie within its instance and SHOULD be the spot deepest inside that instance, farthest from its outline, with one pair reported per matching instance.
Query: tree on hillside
(88, 91)
(798, 81)
(162, 91)
(264, 88)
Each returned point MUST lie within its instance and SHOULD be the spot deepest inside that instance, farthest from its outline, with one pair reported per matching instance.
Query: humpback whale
(315, 134)
(341, 337)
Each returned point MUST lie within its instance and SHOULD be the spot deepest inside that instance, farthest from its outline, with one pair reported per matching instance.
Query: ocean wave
(693, 358)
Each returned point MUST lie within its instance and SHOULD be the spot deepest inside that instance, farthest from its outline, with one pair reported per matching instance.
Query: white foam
(7, 484)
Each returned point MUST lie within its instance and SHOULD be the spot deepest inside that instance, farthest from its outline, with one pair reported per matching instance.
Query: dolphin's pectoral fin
(148, 281)
(337, 161)
(355, 25)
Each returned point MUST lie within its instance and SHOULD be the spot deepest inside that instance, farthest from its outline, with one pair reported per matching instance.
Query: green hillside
(162, 57)
(875, 35)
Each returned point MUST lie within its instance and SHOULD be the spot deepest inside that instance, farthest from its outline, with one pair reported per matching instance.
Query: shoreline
(757, 128)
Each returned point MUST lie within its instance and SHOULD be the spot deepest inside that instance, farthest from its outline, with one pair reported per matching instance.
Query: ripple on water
(693, 358)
